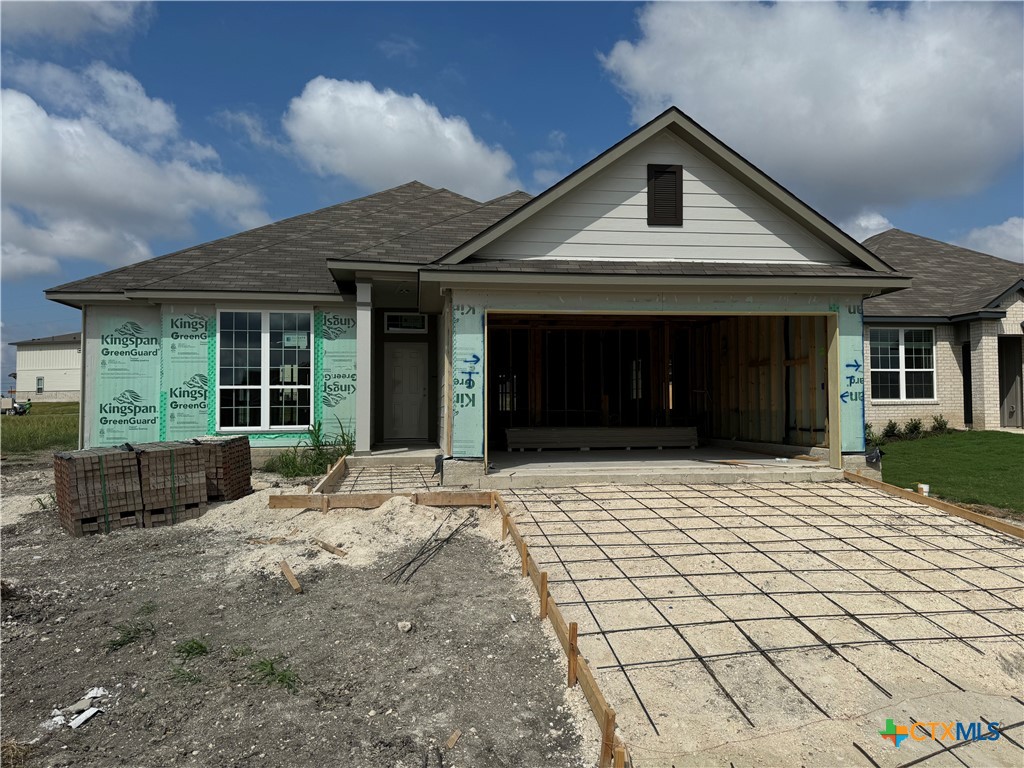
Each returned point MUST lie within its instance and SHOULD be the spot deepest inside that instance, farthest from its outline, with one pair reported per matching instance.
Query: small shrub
(314, 456)
(130, 632)
(940, 424)
(267, 672)
(892, 431)
(871, 438)
(240, 651)
(192, 648)
(14, 753)
(182, 676)
(913, 430)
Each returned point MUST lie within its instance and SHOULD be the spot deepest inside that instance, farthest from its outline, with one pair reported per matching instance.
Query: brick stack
(228, 467)
(173, 477)
(98, 490)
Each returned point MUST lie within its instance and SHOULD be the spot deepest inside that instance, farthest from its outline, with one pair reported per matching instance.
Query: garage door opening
(556, 382)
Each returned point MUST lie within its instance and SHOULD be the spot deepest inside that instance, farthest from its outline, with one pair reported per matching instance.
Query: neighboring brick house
(50, 368)
(949, 345)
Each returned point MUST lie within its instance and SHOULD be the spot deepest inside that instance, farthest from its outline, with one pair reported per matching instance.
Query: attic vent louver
(665, 195)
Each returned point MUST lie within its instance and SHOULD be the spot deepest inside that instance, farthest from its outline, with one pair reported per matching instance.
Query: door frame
(1008, 343)
(380, 394)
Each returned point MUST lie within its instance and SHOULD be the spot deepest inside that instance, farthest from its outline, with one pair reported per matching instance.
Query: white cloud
(399, 47)
(251, 126)
(112, 98)
(865, 224)
(72, 190)
(380, 139)
(1004, 240)
(70, 21)
(549, 164)
(852, 106)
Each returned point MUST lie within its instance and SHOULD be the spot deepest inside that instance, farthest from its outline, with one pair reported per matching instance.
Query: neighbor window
(665, 195)
(39, 385)
(265, 370)
(902, 363)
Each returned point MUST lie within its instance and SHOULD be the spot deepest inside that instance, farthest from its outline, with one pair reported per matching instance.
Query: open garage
(561, 381)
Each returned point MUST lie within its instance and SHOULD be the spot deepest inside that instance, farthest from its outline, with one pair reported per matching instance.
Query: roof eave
(874, 284)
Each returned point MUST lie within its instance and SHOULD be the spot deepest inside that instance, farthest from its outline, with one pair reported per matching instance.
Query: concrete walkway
(785, 623)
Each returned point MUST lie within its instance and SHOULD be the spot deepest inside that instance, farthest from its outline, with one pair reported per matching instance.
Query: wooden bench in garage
(585, 438)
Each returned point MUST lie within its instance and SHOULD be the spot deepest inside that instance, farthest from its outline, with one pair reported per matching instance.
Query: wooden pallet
(159, 518)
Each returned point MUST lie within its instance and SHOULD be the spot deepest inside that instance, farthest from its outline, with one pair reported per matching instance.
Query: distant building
(49, 369)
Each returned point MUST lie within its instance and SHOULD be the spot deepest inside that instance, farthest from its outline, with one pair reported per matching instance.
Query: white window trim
(40, 384)
(902, 370)
(419, 331)
(265, 371)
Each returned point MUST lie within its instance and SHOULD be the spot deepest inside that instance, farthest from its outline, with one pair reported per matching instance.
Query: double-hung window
(902, 363)
(265, 370)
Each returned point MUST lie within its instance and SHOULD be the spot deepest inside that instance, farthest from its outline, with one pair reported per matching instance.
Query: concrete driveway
(784, 624)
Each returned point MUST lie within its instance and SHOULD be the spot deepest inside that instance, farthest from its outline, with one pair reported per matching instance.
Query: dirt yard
(209, 659)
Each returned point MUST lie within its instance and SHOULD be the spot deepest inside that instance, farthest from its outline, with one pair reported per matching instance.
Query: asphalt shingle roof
(947, 280)
(412, 224)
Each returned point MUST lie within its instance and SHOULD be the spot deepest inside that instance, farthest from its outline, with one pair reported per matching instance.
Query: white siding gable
(606, 218)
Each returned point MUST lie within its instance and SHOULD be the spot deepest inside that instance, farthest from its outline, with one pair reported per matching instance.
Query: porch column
(985, 373)
(364, 363)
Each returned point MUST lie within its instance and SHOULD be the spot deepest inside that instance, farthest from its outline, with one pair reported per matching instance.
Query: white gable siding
(606, 218)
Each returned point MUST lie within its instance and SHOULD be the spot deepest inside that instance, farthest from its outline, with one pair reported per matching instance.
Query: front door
(1010, 381)
(405, 391)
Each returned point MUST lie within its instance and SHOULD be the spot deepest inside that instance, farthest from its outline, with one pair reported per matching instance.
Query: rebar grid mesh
(387, 479)
(663, 576)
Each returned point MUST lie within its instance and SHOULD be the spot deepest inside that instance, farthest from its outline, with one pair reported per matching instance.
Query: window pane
(917, 349)
(289, 348)
(885, 349)
(885, 385)
(240, 408)
(289, 407)
(240, 350)
(920, 385)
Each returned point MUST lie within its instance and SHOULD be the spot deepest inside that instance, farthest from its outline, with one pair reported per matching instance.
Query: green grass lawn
(969, 467)
(47, 427)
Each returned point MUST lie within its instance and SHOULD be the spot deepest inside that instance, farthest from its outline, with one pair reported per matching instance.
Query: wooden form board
(374, 500)
(333, 478)
(1003, 526)
(613, 749)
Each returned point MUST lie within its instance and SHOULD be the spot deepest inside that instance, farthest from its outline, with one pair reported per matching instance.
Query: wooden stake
(453, 739)
(573, 630)
(330, 548)
(523, 556)
(504, 526)
(543, 594)
(607, 738)
(492, 502)
(287, 571)
(325, 504)
(620, 755)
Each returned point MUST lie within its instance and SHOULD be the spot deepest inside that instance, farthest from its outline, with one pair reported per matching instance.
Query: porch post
(364, 362)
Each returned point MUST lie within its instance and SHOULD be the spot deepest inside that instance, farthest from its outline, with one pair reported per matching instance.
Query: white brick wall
(949, 391)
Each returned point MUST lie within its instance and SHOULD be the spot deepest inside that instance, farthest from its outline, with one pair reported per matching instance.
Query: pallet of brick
(173, 479)
(228, 466)
(97, 490)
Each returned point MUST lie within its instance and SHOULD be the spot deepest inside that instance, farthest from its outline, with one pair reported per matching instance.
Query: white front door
(405, 387)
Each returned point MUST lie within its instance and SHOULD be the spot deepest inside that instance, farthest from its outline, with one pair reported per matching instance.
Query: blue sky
(131, 130)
